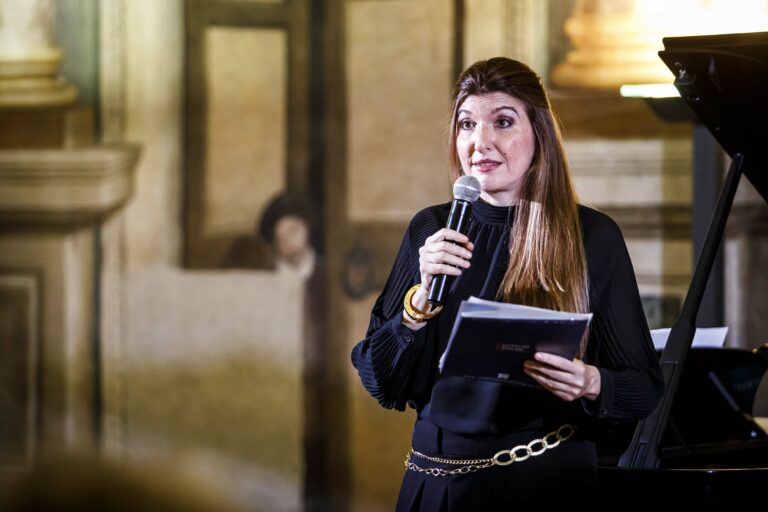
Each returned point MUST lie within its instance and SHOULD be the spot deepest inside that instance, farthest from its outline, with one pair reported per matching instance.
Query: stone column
(29, 60)
(60, 241)
(53, 206)
(614, 43)
(38, 108)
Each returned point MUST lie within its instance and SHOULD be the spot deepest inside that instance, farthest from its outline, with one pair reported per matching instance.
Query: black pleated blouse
(398, 366)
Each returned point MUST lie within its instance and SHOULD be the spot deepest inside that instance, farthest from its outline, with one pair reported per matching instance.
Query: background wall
(151, 52)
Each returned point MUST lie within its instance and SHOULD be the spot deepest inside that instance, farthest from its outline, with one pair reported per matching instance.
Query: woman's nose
(483, 137)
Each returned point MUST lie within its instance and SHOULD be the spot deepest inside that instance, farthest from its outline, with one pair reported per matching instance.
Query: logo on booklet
(512, 347)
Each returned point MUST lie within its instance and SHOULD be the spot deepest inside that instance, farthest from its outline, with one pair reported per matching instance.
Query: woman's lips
(485, 165)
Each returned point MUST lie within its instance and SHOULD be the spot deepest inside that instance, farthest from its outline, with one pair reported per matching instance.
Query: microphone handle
(458, 220)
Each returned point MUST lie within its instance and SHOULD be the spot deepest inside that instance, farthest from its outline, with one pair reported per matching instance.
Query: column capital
(59, 187)
(29, 59)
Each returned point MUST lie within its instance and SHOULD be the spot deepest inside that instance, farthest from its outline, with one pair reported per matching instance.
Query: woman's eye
(466, 124)
(504, 122)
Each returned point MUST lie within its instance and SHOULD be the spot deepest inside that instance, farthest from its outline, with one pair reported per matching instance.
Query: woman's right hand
(446, 252)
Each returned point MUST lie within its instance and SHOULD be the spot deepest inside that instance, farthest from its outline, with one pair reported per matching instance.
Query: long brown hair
(547, 265)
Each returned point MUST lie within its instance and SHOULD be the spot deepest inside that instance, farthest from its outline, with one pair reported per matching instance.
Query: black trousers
(566, 474)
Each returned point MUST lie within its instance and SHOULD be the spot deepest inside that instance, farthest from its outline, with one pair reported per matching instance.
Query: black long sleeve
(620, 342)
(388, 357)
(399, 366)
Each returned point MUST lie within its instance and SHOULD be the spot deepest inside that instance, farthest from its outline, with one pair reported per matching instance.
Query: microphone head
(466, 188)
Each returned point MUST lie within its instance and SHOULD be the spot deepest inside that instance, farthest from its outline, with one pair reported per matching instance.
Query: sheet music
(704, 337)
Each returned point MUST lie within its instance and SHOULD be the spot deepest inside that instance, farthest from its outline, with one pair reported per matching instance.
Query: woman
(286, 225)
(528, 242)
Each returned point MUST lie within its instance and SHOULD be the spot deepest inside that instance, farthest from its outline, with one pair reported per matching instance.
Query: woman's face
(495, 144)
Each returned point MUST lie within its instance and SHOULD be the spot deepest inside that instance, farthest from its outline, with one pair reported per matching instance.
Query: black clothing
(398, 366)
(566, 474)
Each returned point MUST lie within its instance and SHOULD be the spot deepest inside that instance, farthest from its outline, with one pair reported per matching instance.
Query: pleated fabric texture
(466, 418)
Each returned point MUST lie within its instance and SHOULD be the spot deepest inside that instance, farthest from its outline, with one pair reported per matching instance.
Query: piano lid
(724, 80)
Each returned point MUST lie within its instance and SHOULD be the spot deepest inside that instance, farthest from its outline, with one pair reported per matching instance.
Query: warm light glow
(649, 91)
(617, 42)
(664, 18)
(704, 17)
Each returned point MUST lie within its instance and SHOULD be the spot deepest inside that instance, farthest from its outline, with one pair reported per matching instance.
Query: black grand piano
(701, 446)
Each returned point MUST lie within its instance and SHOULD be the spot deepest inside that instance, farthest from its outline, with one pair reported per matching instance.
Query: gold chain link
(532, 449)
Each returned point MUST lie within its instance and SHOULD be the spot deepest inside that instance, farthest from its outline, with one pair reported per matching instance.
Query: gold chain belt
(519, 453)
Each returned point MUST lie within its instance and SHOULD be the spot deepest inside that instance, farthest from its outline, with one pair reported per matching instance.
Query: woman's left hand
(567, 379)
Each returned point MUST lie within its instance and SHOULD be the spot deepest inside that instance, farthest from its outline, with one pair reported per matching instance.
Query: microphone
(466, 190)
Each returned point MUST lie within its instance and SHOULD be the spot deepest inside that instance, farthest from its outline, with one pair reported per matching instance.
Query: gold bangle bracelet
(415, 314)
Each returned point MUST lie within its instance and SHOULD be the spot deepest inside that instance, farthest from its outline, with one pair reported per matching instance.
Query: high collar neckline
(490, 214)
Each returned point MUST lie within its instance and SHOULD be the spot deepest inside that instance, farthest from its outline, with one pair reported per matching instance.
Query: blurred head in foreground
(88, 483)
